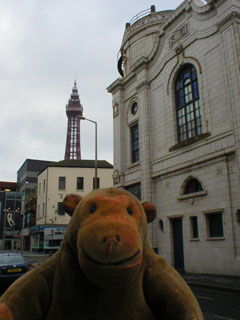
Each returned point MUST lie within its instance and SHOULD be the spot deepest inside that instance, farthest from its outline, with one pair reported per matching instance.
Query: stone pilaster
(145, 141)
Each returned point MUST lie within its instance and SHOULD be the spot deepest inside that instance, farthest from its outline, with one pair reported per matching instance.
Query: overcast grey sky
(44, 43)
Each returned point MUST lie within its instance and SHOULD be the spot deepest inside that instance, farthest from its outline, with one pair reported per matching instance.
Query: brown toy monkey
(105, 269)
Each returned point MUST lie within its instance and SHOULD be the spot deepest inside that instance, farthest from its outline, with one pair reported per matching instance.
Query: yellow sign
(15, 270)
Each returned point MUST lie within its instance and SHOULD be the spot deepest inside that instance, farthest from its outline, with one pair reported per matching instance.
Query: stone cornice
(197, 162)
(228, 20)
(191, 148)
(120, 83)
(142, 85)
(140, 64)
(115, 85)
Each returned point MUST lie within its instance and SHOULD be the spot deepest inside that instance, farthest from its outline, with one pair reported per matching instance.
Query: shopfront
(11, 208)
(46, 238)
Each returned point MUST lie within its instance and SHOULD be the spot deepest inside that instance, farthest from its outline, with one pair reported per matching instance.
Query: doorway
(177, 233)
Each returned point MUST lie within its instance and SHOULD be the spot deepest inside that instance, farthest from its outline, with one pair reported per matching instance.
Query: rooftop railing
(140, 15)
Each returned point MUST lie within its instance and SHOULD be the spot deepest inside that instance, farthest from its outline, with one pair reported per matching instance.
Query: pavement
(214, 282)
(35, 258)
(207, 281)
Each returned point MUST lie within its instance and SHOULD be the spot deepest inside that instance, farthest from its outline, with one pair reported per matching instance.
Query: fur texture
(105, 269)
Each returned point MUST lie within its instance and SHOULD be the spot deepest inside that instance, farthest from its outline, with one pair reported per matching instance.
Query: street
(218, 305)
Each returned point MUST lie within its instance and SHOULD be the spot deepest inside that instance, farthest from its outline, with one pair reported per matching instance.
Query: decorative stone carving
(116, 177)
(115, 109)
(178, 48)
(178, 34)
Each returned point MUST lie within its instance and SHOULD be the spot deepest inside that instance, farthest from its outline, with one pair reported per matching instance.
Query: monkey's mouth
(115, 263)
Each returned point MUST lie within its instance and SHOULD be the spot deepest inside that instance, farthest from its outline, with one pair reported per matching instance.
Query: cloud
(43, 45)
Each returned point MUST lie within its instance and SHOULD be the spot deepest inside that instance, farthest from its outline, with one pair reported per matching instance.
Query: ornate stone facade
(181, 67)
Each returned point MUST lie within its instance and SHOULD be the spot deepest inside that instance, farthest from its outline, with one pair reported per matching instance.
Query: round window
(134, 108)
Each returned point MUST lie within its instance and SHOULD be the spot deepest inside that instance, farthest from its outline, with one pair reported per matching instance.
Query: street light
(83, 118)
(5, 211)
(22, 213)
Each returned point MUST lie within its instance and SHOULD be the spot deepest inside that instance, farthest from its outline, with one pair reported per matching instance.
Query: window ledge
(208, 212)
(215, 238)
(189, 142)
(192, 195)
(194, 239)
(133, 165)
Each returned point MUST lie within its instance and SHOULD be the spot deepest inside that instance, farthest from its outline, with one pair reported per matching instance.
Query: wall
(53, 195)
(206, 37)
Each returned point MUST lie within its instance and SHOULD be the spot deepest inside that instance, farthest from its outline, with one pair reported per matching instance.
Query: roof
(10, 254)
(81, 164)
(8, 185)
(101, 164)
(35, 165)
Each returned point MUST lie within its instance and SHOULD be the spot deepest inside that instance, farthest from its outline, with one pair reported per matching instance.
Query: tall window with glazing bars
(134, 143)
(188, 109)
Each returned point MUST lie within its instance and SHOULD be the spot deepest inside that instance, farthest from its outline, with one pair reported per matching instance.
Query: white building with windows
(54, 183)
(176, 114)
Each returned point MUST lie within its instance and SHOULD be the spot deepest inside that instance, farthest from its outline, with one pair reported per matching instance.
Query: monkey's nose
(110, 244)
(111, 239)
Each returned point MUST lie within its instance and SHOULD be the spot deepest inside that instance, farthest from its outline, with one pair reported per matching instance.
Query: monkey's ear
(70, 202)
(150, 211)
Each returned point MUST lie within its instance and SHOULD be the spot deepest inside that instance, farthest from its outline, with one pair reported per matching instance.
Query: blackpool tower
(74, 109)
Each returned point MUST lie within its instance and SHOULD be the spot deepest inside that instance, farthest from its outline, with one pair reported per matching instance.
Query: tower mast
(74, 109)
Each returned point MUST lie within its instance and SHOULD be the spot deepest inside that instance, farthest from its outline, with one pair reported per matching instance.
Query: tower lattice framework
(74, 109)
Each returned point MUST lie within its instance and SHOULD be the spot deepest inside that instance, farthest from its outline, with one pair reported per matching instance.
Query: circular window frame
(134, 108)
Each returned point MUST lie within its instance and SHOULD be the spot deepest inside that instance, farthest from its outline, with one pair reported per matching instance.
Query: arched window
(192, 185)
(187, 104)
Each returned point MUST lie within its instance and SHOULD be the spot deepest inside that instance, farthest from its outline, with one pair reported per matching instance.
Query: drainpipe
(46, 199)
(231, 206)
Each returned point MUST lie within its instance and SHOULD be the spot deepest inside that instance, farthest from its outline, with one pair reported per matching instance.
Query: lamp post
(83, 118)
(15, 219)
(5, 212)
(22, 213)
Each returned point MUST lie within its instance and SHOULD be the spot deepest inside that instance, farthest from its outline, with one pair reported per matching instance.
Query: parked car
(12, 266)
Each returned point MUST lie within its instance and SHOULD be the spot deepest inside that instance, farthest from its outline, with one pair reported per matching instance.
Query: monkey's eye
(93, 208)
(129, 210)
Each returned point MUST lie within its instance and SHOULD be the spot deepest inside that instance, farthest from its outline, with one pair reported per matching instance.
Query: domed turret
(139, 38)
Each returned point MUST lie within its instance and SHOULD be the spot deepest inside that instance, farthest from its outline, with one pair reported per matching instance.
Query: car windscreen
(11, 259)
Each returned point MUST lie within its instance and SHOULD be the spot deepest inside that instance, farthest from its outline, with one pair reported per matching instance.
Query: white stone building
(54, 183)
(176, 113)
